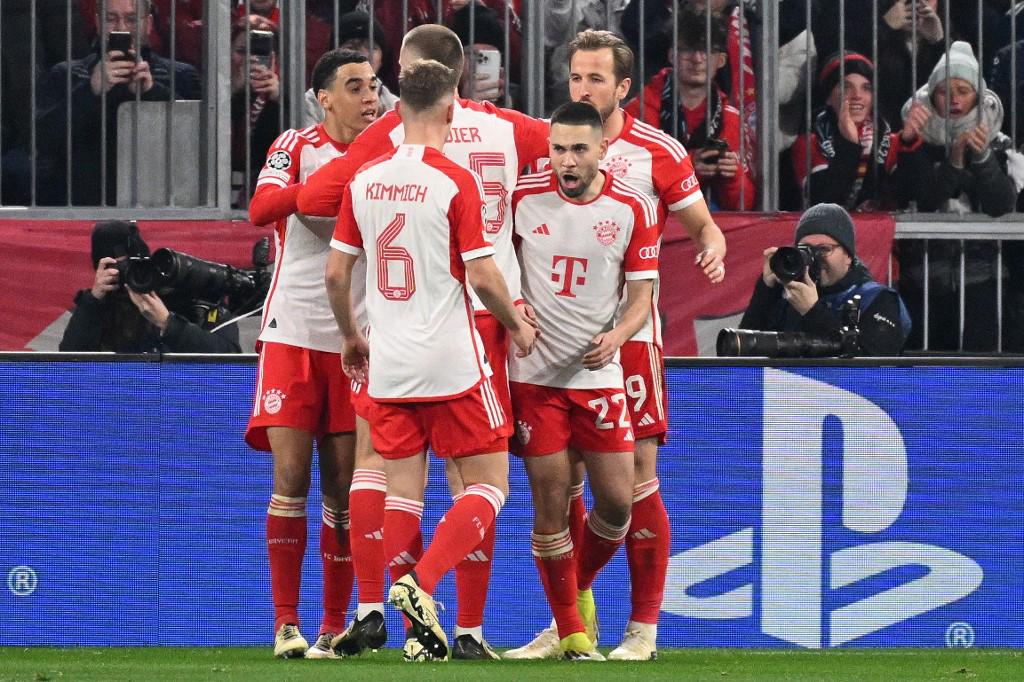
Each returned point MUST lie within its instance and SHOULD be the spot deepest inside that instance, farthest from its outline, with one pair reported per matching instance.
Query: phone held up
(121, 41)
(261, 47)
(488, 64)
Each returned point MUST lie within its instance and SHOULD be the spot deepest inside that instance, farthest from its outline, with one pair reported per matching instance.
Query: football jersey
(296, 310)
(418, 217)
(656, 164)
(492, 142)
(575, 259)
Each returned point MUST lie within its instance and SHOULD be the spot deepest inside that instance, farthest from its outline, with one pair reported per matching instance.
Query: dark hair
(438, 43)
(577, 114)
(424, 83)
(591, 40)
(488, 29)
(326, 69)
(693, 31)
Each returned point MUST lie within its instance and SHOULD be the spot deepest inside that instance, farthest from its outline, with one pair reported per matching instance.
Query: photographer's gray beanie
(831, 220)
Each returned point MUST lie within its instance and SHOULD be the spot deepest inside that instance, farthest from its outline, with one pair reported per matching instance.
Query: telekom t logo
(565, 276)
(799, 581)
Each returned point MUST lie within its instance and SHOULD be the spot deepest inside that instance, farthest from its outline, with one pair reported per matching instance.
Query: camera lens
(790, 263)
(141, 275)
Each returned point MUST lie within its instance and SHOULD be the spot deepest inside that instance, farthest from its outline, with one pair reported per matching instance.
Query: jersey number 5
(402, 259)
(492, 188)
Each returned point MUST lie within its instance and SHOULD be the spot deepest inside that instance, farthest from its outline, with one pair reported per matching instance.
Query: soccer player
(418, 216)
(581, 232)
(301, 393)
(653, 162)
(496, 144)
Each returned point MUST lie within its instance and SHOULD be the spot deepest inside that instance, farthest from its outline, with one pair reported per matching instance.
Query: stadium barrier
(813, 505)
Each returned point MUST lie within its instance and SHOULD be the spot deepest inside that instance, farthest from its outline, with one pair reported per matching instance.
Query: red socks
(462, 528)
(336, 557)
(472, 578)
(648, 545)
(366, 511)
(286, 545)
(577, 515)
(553, 555)
(403, 540)
(600, 542)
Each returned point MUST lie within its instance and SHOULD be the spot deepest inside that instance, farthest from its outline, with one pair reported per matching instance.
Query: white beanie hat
(962, 64)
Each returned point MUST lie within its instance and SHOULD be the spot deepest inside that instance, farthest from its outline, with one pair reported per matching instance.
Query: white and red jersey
(296, 311)
(656, 164)
(494, 143)
(418, 216)
(575, 259)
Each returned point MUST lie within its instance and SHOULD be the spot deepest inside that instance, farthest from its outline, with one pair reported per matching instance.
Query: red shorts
(495, 338)
(301, 389)
(644, 370)
(549, 420)
(472, 424)
(361, 400)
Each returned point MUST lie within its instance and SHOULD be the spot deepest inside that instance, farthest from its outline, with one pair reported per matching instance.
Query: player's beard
(583, 182)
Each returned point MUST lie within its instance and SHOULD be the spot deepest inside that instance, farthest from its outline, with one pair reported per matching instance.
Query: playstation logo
(810, 593)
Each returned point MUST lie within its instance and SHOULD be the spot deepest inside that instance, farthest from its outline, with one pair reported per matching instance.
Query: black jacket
(87, 125)
(112, 324)
(881, 322)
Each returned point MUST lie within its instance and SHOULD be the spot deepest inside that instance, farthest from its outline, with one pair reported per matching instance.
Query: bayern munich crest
(523, 431)
(618, 166)
(272, 401)
(606, 231)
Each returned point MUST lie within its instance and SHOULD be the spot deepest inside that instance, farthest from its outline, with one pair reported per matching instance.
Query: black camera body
(845, 343)
(791, 263)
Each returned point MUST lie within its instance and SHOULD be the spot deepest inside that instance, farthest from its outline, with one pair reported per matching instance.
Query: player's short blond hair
(436, 42)
(424, 84)
(622, 55)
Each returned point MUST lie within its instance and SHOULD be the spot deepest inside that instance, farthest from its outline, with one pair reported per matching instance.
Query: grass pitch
(224, 664)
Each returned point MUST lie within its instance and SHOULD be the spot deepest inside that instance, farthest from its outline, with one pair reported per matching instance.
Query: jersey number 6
(388, 254)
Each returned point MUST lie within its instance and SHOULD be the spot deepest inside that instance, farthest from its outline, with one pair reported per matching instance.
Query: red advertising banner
(45, 262)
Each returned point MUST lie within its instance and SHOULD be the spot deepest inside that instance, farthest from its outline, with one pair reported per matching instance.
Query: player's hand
(142, 78)
(803, 294)
(604, 347)
(525, 338)
(710, 261)
(917, 118)
(527, 315)
(152, 308)
(106, 279)
(355, 358)
(766, 271)
(119, 68)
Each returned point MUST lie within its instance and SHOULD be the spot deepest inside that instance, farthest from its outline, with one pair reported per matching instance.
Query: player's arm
(639, 297)
(277, 185)
(484, 276)
(697, 220)
(345, 249)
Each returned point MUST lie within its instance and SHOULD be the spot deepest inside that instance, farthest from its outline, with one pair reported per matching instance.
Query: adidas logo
(543, 229)
(375, 535)
(646, 420)
(644, 534)
(628, 436)
(273, 323)
(403, 559)
(477, 556)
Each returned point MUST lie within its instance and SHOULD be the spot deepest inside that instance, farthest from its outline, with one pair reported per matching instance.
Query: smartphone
(488, 63)
(720, 146)
(120, 41)
(261, 46)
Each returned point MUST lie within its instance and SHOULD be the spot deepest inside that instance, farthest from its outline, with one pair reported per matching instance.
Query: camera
(718, 145)
(194, 279)
(791, 263)
(845, 343)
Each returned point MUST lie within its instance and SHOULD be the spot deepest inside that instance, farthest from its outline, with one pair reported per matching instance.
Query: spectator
(815, 307)
(141, 73)
(488, 34)
(262, 107)
(724, 178)
(354, 34)
(110, 317)
(563, 20)
(972, 176)
(842, 170)
(953, 114)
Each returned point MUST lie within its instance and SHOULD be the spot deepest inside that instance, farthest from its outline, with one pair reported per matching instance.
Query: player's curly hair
(622, 55)
(424, 83)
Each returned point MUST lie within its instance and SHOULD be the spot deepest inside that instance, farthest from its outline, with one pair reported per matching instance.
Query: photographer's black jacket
(882, 321)
(110, 325)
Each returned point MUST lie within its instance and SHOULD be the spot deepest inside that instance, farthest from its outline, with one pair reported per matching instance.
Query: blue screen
(810, 507)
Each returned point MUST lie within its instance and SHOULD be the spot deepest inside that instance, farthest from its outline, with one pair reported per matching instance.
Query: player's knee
(291, 481)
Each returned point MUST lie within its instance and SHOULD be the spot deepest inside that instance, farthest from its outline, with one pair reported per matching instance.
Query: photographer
(111, 317)
(813, 304)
